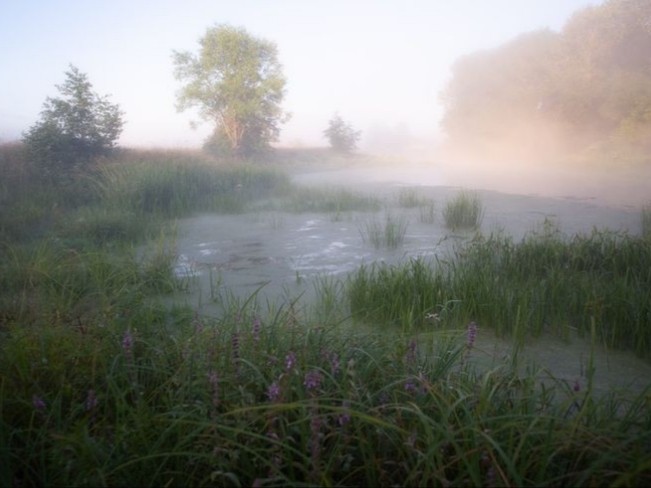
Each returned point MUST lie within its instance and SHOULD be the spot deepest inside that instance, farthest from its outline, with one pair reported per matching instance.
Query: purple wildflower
(256, 328)
(290, 361)
(38, 403)
(127, 343)
(213, 380)
(411, 352)
(410, 386)
(91, 401)
(235, 345)
(334, 363)
(344, 418)
(577, 386)
(313, 380)
(273, 392)
(198, 323)
(471, 334)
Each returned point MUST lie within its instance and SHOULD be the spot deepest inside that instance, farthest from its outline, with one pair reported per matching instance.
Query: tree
(73, 129)
(342, 136)
(237, 83)
(583, 91)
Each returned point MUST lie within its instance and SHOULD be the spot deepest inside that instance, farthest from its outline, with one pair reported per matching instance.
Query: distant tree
(236, 81)
(74, 128)
(342, 136)
(583, 90)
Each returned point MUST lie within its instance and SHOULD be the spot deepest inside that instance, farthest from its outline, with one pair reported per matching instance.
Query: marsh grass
(389, 234)
(545, 283)
(332, 200)
(646, 220)
(172, 189)
(410, 198)
(252, 400)
(464, 211)
(427, 212)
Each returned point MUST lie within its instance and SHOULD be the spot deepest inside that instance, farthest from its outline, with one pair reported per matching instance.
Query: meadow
(104, 382)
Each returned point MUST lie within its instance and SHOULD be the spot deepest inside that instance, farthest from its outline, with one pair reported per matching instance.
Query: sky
(380, 64)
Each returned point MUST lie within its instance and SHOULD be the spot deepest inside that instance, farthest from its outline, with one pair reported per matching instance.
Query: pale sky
(380, 64)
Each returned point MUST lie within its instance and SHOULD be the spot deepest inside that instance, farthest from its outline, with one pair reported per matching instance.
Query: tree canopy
(73, 128)
(585, 88)
(236, 82)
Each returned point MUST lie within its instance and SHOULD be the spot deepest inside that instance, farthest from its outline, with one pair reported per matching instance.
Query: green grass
(333, 200)
(545, 283)
(389, 234)
(104, 383)
(264, 400)
(646, 220)
(464, 211)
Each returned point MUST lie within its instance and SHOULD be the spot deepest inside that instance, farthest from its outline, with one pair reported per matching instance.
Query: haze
(381, 65)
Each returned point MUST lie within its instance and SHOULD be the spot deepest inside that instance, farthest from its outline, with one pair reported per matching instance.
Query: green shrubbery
(74, 129)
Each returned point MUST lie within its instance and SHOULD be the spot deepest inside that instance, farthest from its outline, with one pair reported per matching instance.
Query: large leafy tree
(74, 128)
(237, 83)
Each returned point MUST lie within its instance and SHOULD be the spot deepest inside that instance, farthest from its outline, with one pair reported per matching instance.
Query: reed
(389, 234)
(464, 211)
(545, 283)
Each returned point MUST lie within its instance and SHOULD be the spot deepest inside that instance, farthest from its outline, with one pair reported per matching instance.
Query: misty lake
(281, 255)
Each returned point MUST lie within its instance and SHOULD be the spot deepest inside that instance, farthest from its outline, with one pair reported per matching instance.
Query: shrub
(73, 129)
(342, 136)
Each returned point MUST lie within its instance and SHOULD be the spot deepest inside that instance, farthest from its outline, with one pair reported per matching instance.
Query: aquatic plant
(464, 211)
(389, 234)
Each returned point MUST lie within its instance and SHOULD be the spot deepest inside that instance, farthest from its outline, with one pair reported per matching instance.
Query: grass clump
(409, 198)
(389, 234)
(464, 211)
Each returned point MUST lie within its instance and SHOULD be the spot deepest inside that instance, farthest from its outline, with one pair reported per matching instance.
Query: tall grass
(389, 234)
(646, 220)
(172, 189)
(464, 211)
(331, 200)
(543, 283)
(265, 401)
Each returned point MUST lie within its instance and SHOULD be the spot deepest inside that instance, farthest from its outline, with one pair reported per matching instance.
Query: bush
(342, 136)
(74, 129)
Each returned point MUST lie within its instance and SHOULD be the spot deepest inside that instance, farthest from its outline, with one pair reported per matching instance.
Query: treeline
(583, 92)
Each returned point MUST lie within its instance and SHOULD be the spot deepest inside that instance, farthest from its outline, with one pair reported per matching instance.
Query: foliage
(236, 81)
(581, 91)
(341, 135)
(75, 128)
